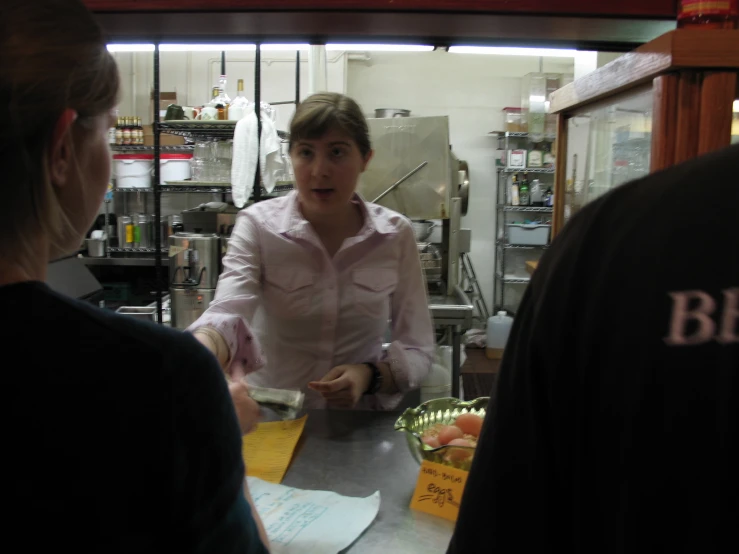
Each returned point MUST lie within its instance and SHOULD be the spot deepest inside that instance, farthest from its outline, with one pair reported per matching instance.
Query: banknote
(286, 403)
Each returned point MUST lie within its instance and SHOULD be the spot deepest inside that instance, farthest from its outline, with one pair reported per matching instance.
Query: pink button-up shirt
(310, 312)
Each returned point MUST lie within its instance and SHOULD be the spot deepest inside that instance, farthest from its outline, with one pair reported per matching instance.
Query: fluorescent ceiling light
(193, 47)
(207, 47)
(380, 47)
(130, 47)
(511, 51)
(735, 106)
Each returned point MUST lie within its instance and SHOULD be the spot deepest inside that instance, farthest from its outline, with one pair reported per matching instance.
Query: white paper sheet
(311, 522)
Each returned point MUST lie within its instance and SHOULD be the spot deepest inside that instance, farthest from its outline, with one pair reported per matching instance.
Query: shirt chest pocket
(287, 291)
(372, 289)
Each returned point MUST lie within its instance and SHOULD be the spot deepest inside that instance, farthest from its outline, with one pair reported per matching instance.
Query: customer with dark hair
(121, 436)
(614, 427)
(329, 270)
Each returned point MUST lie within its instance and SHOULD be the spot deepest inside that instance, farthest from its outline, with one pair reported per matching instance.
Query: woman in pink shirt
(318, 276)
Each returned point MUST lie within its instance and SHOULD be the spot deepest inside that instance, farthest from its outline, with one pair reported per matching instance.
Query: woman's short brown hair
(53, 57)
(325, 111)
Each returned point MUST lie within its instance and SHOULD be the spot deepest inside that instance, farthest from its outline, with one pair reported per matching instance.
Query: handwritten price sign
(439, 490)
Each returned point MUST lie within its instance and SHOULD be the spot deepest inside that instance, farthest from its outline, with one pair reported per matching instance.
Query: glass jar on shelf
(515, 120)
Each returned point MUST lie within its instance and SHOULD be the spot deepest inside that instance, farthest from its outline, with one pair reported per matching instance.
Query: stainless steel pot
(96, 248)
(422, 229)
(392, 112)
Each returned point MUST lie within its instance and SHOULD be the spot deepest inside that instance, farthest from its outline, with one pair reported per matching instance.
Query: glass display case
(608, 144)
(669, 100)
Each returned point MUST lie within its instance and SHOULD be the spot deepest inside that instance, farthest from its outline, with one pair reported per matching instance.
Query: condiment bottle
(704, 14)
(222, 112)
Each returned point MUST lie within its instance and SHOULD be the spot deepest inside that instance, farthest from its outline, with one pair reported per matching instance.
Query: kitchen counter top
(355, 453)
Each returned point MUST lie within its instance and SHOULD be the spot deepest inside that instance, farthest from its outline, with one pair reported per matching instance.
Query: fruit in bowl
(444, 430)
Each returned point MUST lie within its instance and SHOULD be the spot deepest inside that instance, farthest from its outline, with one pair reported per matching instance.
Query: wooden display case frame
(693, 75)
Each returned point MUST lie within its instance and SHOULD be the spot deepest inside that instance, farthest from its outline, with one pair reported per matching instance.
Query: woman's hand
(343, 386)
(247, 410)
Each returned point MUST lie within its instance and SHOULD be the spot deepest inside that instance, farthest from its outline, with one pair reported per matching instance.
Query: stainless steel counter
(355, 453)
(455, 312)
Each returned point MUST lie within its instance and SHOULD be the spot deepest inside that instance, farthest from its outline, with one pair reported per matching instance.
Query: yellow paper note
(439, 490)
(268, 450)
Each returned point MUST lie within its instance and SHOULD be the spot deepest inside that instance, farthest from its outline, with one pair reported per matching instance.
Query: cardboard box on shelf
(165, 99)
(164, 138)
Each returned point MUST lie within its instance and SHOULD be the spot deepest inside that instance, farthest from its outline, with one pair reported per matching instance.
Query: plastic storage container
(498, 329)
(515, 120)
(174, 167)
(534, 234)
(133, 171)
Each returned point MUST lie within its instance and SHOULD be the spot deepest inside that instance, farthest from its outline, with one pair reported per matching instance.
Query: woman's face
(89, 177)
(326, 172)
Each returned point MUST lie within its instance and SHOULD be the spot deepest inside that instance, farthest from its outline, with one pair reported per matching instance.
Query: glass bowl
(414, 421)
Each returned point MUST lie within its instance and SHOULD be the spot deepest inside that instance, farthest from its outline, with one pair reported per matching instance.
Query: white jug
(499, 327)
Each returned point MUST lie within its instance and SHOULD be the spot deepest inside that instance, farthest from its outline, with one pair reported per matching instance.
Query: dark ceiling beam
(440, 29)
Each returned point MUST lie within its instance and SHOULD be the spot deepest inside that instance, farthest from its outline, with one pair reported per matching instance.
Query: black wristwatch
(376, 381)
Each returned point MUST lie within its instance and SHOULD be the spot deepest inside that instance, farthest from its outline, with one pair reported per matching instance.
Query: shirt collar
(375, 218)
(292, 219)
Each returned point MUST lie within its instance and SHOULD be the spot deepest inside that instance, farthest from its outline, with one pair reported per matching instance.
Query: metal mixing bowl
(414, 421)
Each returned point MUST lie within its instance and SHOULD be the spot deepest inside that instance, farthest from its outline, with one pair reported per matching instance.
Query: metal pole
(258, 112)
(400, 181)
(297, 78)
(157, 191)
(456, 357)
(455, 217)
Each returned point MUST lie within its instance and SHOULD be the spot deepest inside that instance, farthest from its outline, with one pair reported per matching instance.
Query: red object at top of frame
(666, 9)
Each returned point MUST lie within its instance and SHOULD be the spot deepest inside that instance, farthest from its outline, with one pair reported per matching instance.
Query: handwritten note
(439, 490)
(311, 522)
(268, 450)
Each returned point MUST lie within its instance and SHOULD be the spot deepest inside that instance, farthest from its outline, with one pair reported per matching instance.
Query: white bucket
(133, 171)
(174, 167)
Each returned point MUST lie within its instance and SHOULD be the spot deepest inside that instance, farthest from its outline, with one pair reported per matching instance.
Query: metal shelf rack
(116, 250)
(528, 170)
(514, 280)
(213, 130)
(195, 188)
(120, 261)
(506, 253)
(518, 134)
(182, 148)
(191, 130)
(508, 246)
(542, 209)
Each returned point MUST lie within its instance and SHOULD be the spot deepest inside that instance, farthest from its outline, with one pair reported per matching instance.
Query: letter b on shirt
(695, 320)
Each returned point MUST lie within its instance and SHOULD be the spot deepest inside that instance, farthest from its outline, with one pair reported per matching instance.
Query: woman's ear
(61, 152)
(367, 159)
